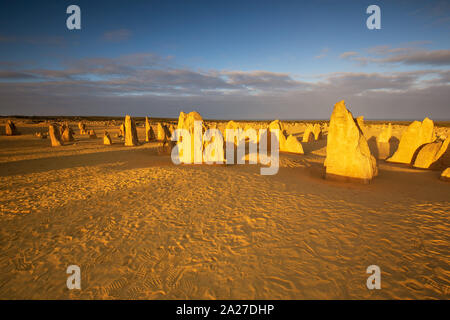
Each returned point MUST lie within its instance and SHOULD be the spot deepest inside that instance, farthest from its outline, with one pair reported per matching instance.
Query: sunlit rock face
(82, 128)
(445, 175)
(360, 122)
(417, 134)
(131, 138)
(107, 139)
(55, 137)
(385, 134)
(161, 132)
(67, 135)
(317, 131)
(293, 145)
(308, 135)
(122, 130)
(277, 125)
(434, 155)
(10, 129)
(348, 155)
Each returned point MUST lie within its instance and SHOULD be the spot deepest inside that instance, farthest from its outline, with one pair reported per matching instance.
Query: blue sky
(226, 59)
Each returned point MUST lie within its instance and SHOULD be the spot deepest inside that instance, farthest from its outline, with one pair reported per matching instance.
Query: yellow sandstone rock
(432, 153)
(386, 134)
(122, 130)
(55, 138)
(348, 154)
(161, 132)
(131, 138)
(11, 129)
(445, 175)
(82, 128)
(316, 131)
(67, 135)
(360, 122)
(308, 135)
(417, 134)
(276, 124)
(292, 145)
(107, 139)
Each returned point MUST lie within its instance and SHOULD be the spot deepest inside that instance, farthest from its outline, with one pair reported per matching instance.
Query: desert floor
(141, 227)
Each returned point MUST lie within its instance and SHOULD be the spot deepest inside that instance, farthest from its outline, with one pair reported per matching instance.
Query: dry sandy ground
(141, 227)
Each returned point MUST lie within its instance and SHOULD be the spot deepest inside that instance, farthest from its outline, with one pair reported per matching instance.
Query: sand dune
(141, 227)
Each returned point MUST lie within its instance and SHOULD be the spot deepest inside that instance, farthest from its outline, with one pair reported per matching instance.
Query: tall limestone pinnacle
(348, 154)
(131, 138)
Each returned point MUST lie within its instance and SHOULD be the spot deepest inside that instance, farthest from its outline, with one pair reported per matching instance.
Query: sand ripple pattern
(222, 232)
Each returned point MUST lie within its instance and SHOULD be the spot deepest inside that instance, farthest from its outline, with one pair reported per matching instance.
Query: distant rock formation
(55, 138)
(11, 129)
(107, 139)
(276, 124)
(131, 138)
(82, 128)
(348, 154)
(385, 134)
(445, 175)
(121, 131)
(149, 133)
(317, 131)
(382, 142)
(433, 154)
(161, 133)
(308, 135)
(417, 134)
(292, 145)
(67, 135)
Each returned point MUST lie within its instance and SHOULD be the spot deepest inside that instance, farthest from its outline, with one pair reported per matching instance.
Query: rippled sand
(141, 227)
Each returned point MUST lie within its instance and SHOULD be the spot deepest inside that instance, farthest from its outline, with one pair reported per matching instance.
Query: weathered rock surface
(292, 145)
(107, 139)
(82, 128)
(131, 138)
(435, 155)
(161, 132)
(67, 135)
(10, 129)
(308, 135)
(417, 134)
(317, 131)
(348, 154)
(385, 134)
(53, 132)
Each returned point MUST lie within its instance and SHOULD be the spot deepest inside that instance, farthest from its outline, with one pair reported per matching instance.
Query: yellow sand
(142, 228)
